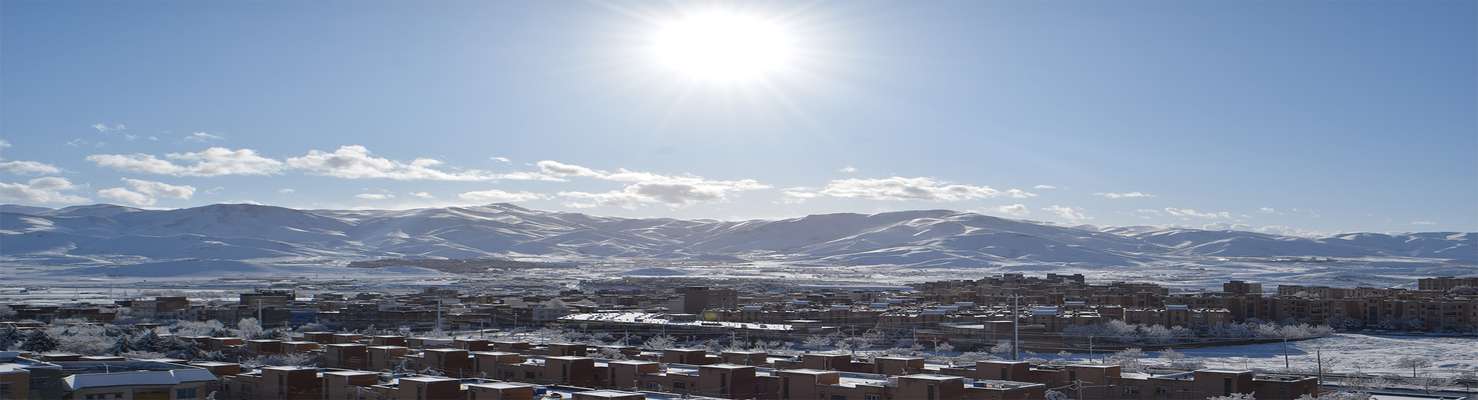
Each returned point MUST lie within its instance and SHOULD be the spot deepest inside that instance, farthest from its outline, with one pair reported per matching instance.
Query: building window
(871, 397)
(185, 393)
(1226, 386)
(838, 397)
(931, 393)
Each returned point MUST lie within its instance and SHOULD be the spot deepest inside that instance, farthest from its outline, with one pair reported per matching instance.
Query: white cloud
(1193, 213)
(49, 189)
(1044, 187)
(615, 198)
(422, 195)
(920, 188)
(1068, 213)
(1423, 223)
(202, 137)
(670, 190)
(214, 161)
(28, 168)
(848, 169)
(287, 191)
(356, 162)
(1148, 213)
(374, 196)
(1013, 210)
(105, 128)
(498, 196)
(146, 193)
(557, 168)
(645, 187)
(1267, 210)
(348, 162)
(504, 160)
(4, 144)
(797, 195)
(1124, 195)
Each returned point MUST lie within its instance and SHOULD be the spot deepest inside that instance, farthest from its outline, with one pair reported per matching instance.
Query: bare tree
(1413, 362)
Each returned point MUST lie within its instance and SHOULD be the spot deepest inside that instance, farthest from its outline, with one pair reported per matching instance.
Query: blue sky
(1277, 116)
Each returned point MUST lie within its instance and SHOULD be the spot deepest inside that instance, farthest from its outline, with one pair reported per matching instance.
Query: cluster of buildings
(963, 312)
(1438, 304)
(352, 366)
(400, 365)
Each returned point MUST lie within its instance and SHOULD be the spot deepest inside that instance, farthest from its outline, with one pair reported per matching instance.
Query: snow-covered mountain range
(95, 233)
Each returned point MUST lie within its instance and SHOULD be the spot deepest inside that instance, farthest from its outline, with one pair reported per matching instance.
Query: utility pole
(1319, 357)
(1090, 348)
(1015, 328)
(438, 315)
(1285, 353)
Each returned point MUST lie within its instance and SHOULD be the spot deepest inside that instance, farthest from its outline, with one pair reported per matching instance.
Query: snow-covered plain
(1344, 353)
(1350, 353)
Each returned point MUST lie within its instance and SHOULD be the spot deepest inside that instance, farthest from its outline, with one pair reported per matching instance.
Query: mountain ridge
(85, 234)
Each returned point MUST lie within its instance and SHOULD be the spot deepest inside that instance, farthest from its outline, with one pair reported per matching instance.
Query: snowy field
(1351, 353)
(1344, 353)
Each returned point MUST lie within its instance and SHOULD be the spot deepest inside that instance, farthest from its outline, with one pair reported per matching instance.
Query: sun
(723, 46)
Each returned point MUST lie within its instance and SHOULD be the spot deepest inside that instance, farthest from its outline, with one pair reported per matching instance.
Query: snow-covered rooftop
(138, 378)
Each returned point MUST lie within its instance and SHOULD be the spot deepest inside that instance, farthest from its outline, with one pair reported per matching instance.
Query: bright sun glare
(723, 46)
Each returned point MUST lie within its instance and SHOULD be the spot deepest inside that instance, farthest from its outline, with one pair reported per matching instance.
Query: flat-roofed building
(384, 358)
(500, 391)
(930, 387)
(428, 388)
(348, 385)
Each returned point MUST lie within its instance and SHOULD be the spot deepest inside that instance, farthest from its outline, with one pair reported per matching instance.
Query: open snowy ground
(1343, 353)
(1348, 353)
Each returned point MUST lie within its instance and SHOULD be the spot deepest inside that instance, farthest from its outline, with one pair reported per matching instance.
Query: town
(1009, 336)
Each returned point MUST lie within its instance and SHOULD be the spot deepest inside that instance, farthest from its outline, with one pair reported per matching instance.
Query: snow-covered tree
(122, 344)
(82, 338)
(1233, 396)
(38, 341)
(294, 359)
(211, 328)
(150, 341)
(817, 342)
(1002, 348)
(1337, 396)
(611, 354)
(249, 328)
(9, 336)
(660, 342)
(1128, 359)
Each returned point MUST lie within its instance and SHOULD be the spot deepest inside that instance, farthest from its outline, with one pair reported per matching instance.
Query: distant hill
(503, 231)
